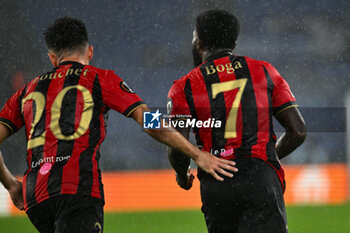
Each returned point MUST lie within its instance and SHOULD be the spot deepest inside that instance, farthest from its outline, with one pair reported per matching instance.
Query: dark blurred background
(148, 44)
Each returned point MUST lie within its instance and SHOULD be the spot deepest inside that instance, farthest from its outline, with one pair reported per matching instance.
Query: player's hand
(16, 194)
(214, 165)
(186, 181)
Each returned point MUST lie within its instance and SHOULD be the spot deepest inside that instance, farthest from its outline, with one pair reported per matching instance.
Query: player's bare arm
(181, 163)
(13, 186)
(295, 131)
(174, 139)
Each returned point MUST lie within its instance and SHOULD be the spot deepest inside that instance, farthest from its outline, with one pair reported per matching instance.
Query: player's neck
(76, 58)
(207, 53)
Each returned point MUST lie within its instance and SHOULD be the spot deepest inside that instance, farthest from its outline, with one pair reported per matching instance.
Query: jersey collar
(69, 62)
(218, 54)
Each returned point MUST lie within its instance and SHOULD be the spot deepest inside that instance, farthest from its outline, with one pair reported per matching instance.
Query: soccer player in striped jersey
(244, 94)
(64, 115)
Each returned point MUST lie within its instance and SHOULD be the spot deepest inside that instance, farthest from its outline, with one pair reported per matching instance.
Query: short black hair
(217, 29)
(66, 33)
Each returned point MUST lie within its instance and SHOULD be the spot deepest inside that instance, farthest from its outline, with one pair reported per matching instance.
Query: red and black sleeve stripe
(284, 106)
(9, 124)
(132, 108)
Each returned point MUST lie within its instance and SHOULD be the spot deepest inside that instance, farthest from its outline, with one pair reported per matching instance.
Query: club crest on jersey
(125, 87)
(169, 106)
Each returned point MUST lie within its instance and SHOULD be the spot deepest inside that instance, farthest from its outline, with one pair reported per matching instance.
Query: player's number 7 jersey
(230, 127)
(243, 94)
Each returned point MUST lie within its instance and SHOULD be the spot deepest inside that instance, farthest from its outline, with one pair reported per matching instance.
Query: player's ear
(199, 45)
(90, 52)
(197, 42)
(234, 46)
(53, 59)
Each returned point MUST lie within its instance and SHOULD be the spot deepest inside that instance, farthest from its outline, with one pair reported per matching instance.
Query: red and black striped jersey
(64, 113)
(243, 94)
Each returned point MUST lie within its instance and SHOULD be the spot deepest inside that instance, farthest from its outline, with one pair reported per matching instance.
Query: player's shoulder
(97, 70)
(193, 74)
(105, 74)
(250, 60)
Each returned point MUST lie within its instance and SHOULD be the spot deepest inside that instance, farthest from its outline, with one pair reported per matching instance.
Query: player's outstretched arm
(174, 139)
(13, 186)
(181, 163)
(295, 131)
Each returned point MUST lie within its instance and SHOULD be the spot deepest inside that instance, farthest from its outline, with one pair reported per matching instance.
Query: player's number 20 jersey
(64, 113)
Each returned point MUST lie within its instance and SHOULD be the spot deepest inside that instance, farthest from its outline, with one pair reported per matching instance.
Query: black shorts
(250, 202)
(67, 214)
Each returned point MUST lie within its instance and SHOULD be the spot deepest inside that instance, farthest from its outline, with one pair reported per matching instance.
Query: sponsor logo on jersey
(50, 159)
(45, 168)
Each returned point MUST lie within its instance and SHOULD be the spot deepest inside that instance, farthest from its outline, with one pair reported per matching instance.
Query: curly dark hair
(66, 34)
(217, 29)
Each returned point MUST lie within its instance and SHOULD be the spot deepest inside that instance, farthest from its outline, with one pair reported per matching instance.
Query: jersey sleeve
(10, 115)
(177, 105)
(117, 95)
(282, 96)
